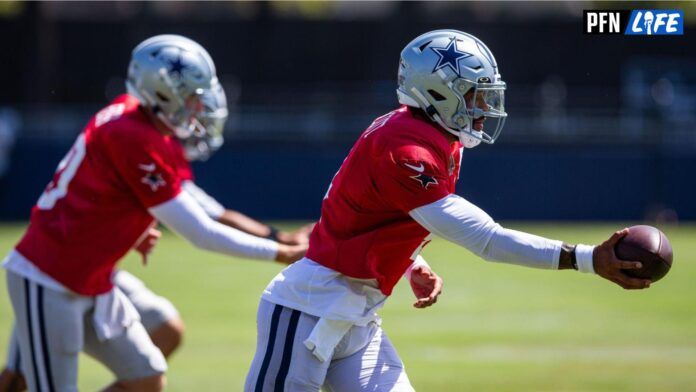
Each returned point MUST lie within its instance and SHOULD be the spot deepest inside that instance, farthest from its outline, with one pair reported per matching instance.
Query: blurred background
(600, 127)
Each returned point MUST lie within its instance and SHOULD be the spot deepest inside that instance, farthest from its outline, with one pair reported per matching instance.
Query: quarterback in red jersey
(126, 169)
(402, 161)
(158, 315)
(317, 321)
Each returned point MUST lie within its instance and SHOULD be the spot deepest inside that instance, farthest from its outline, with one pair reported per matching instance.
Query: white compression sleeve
(461, 222)
(211, 206)
(184, 216)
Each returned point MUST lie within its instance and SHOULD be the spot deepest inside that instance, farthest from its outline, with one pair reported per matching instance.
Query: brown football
(651, 247)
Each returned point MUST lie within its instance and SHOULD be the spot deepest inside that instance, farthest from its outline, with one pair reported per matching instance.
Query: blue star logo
(176, 66)
(450, 56)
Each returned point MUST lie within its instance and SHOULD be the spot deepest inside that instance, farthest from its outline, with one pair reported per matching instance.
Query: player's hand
(288, 254)
(609, 267)
(147, 242)
(297, 237)
(426, 285)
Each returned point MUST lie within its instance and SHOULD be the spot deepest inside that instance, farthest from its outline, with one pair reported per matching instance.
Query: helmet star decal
(177, 66)
(449, 56)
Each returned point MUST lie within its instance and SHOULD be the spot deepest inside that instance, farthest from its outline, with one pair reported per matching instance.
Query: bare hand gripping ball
(651, 247)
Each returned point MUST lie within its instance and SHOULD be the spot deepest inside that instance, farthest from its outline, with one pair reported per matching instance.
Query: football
(651, 247)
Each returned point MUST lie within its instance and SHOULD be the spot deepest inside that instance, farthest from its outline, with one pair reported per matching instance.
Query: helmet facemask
(207, 134)
(482, 101)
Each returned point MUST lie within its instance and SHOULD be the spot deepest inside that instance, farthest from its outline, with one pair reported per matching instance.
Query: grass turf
(496, 327)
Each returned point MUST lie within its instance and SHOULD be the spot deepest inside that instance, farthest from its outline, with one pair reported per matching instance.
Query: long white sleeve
(456, 220)
(187, 218)
(211, 206)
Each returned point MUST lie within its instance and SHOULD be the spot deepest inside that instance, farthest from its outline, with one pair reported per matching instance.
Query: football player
(317, 320)
(157, 314)
(126, 169)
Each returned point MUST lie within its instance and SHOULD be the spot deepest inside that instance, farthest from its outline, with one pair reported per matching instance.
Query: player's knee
(154, 383)
(176, 329)
(169, 336)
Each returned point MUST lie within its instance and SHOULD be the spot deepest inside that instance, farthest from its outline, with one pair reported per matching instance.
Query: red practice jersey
(95, 208)
(401, 162)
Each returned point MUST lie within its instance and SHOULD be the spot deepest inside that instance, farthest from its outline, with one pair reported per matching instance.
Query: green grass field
(495, 328)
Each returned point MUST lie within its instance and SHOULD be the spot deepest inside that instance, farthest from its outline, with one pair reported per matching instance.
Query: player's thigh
(130, 355)
(282, 362)
(155, 311)
(375, 368)
(50, 331)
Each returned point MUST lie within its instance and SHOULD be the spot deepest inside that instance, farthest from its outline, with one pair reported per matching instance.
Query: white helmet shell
(169, 74)
(454, 78)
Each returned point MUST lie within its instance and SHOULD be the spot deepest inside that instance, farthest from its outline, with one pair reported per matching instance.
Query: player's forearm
(516, 247)
(244, 223)
(461, 222)
(185, 217)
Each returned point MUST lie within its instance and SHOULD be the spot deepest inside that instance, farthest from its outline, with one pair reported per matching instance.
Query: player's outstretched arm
(239, 221)
(456, 220)
(251, 226)
(187, 218)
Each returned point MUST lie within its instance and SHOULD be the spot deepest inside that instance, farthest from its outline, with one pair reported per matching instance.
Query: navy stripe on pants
(44, 342)
(269, 348)
(287, 351)
(27, 298)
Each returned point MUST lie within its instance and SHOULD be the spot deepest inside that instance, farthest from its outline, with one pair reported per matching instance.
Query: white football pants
(364, 360)
(53, 327)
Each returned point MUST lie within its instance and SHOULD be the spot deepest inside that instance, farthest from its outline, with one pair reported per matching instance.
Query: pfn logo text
(633, 22)
(602, 22)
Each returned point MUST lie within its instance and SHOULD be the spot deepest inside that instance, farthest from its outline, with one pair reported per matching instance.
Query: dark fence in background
(288, 180)
(601, 127)
(79, 52)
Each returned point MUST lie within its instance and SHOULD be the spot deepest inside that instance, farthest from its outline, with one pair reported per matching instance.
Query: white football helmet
(171, 75)
(454, 78)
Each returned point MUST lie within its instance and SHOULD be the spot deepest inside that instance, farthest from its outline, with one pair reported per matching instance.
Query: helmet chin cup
(469, 141)
(465, 137)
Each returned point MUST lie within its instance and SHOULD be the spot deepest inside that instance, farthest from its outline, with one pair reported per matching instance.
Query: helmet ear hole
(425, 45)
(459, 120)
(436, 96)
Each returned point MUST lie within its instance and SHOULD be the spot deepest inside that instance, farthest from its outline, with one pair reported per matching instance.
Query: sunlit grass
(496, 327)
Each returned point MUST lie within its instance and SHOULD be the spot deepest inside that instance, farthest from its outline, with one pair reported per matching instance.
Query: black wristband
(573, 258)
(568, 258)
(273, 235)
